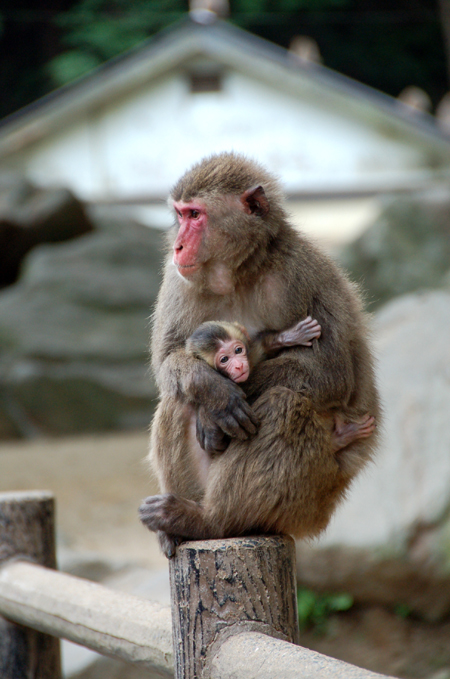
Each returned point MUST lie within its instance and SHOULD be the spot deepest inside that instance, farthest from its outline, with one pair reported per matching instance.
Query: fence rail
(107, 621)
(233, 609)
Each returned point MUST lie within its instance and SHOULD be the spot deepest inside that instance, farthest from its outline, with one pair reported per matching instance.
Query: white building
(124, 133)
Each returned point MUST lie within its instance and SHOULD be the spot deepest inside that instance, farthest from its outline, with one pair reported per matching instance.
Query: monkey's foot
(174, 516)
(347, 432)
(168, 544)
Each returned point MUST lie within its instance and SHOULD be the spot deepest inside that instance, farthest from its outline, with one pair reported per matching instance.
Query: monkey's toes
(153, 512)
(168, 544)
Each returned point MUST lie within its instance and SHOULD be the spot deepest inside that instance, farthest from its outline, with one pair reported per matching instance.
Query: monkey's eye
(238, 350)
(195, 214)
(224, 360)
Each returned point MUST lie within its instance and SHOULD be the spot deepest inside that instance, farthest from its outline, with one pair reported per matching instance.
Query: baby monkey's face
(231, 359)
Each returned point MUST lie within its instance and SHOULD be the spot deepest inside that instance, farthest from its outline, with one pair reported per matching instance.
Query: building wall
(134, 148)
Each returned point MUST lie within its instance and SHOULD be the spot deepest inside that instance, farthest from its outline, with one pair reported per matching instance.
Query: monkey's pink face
(193, 220)
(231, 359)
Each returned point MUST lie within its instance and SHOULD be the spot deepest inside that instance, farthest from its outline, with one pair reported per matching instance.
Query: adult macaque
(259, 456)
(228, 348)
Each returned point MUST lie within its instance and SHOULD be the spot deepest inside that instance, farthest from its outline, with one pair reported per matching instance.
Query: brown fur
(277, 472)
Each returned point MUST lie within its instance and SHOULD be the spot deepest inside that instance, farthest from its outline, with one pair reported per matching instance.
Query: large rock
(30, 216)
(390, 541)
(74, 335)
(406, 249)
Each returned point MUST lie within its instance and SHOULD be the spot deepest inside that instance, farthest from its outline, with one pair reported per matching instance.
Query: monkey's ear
(255, 202)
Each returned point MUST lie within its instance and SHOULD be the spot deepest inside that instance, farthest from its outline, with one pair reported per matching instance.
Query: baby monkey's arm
(267, 343)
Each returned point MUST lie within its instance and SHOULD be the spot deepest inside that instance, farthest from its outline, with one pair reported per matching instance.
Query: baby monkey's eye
(224, 360)
(238, 350)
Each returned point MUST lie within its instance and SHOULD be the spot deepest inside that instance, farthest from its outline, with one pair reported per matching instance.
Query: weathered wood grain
(227, 586)
(27, 532)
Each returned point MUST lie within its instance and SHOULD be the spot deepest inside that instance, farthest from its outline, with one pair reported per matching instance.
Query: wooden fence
(233, 608)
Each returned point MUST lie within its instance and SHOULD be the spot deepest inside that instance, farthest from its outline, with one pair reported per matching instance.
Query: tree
(444, 6)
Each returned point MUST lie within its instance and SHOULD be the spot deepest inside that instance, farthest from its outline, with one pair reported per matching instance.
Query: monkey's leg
(176, 458)
(284, 480)
(347, 432)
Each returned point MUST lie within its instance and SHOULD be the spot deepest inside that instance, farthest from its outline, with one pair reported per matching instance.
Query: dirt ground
(99, 481)
(381, 641)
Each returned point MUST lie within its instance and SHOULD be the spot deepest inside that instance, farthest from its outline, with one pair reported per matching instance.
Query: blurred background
(104, 104)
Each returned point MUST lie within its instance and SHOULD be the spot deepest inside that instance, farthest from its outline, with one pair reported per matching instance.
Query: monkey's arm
(326, 372)
(220, 403)
(268, 343)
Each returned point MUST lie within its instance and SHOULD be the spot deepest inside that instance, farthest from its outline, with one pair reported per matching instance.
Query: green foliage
(71, 65)
(402, 611)
(315, 609)
(102, 29)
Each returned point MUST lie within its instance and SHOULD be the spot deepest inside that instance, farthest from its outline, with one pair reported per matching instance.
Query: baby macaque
(228, 347)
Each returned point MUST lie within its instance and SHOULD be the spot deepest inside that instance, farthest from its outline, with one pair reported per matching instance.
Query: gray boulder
(390, 541)
(74, 335)
(30, 216)
(406, 249)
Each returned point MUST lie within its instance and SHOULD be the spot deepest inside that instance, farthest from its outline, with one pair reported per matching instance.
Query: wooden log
(222, 587)
(27, 532)
(116, 624)
(252, 655)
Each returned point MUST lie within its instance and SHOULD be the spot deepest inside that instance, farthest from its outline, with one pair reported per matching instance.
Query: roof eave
(230, 46)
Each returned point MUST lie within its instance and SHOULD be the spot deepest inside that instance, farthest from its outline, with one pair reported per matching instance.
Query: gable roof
(228, 46)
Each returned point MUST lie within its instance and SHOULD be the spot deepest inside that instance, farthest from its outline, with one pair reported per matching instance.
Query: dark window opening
(206, 82)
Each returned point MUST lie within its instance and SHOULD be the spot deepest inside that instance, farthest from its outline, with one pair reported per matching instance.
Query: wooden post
(223, 587)
(27, 532)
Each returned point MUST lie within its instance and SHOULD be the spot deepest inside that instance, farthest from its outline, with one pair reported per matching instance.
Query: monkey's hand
(209, 435)
(222, 409)
(216, 426)
(220, 403)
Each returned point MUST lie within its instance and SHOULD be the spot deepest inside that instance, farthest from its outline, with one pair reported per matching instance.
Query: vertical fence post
(27, 531)
(223, 587)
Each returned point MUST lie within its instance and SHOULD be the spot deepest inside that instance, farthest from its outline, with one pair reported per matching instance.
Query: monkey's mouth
(187, 270)
(242, 377)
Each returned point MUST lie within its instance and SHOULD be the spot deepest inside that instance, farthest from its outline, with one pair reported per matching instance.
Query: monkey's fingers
(237, 419)
(311, 329)
(160, 512)
(302, 333)
(210, 437)
(150, 512)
